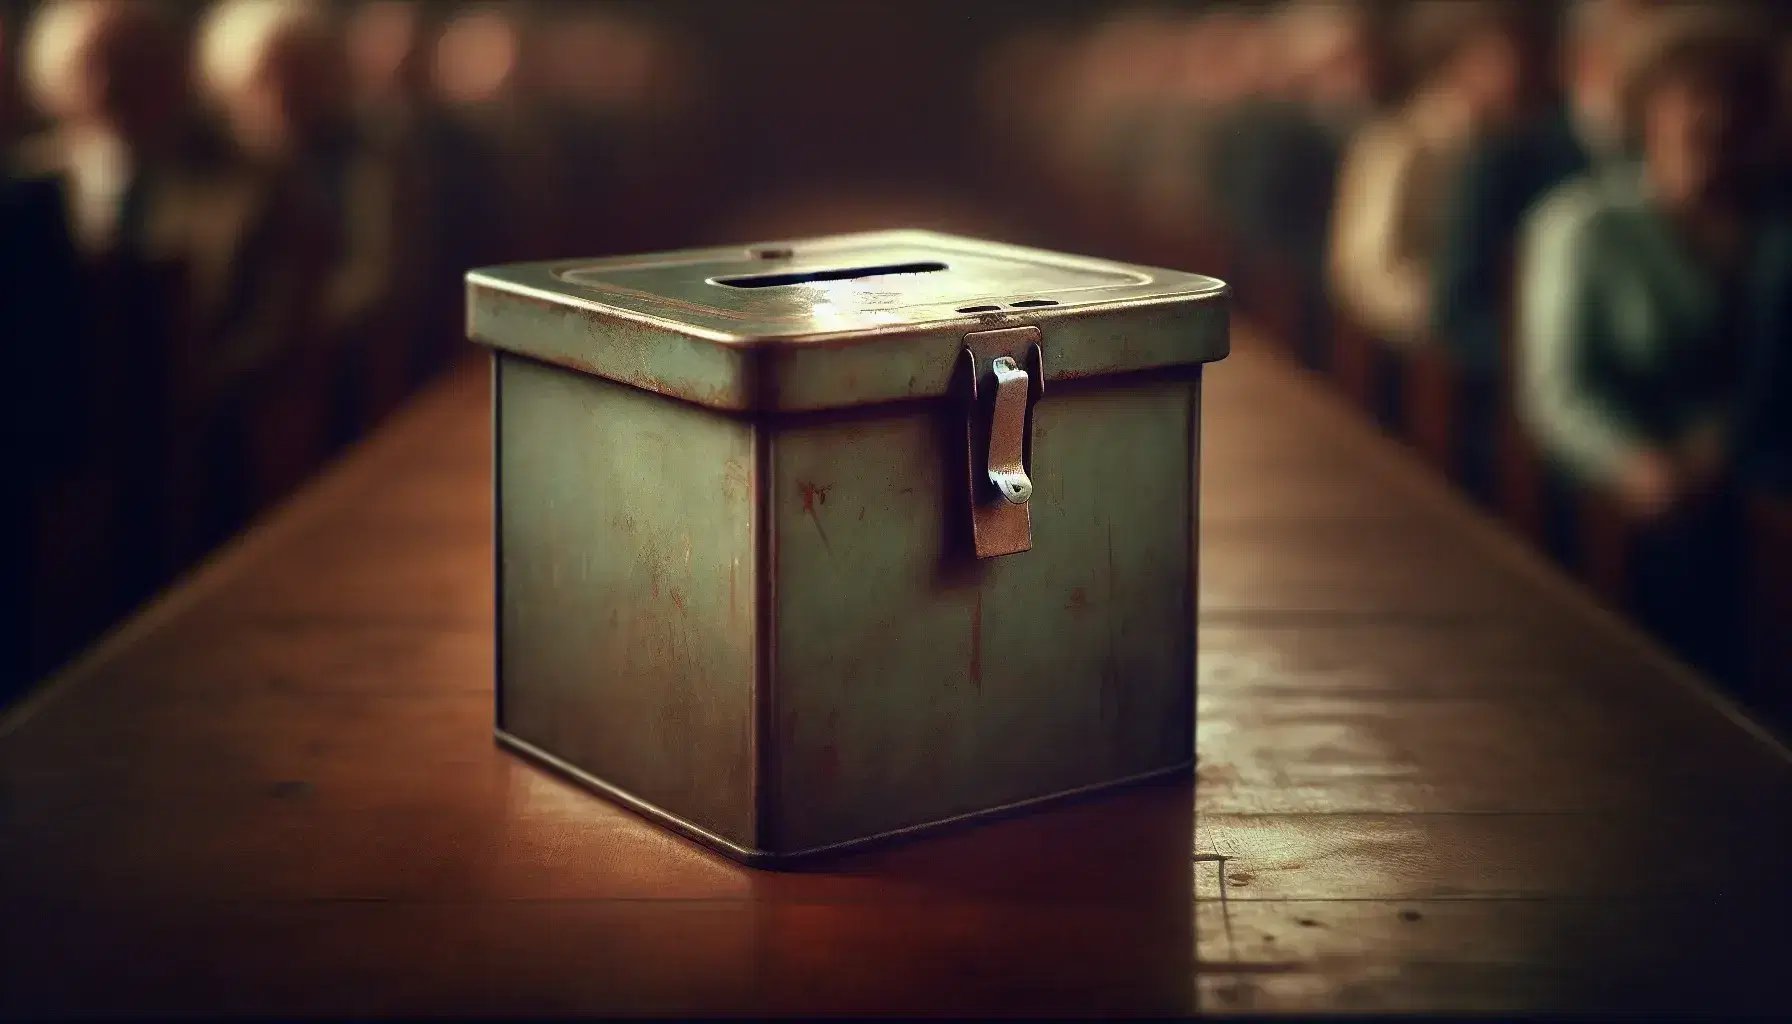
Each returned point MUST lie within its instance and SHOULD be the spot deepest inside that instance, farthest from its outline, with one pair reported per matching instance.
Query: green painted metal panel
(626, 568)
(914, 684)
(738, 585)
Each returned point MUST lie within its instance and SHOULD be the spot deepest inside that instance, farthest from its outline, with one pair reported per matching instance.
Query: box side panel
(1194, 564)
(915, 683)
(1193, 527)
(626, 572)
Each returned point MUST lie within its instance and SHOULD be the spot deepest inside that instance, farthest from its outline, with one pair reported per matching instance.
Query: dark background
(785, 118)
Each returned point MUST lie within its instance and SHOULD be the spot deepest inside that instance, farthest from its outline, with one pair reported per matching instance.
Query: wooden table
(1439, 777)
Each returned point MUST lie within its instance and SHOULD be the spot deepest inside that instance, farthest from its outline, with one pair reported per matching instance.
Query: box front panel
(916, 683)
(626, 582)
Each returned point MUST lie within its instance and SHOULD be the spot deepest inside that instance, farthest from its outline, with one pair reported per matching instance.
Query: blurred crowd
(232, 239)
(1550, 243)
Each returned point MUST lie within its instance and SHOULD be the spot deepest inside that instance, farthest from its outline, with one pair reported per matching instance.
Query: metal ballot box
(808, 544)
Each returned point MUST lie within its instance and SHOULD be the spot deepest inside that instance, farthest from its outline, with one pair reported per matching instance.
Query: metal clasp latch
(1008, 432)
(999, 436)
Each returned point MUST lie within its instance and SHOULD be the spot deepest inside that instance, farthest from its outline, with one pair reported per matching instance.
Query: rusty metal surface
(901, 681)
(668, 323)
(914, 683)
(780, 632)
(627, 574)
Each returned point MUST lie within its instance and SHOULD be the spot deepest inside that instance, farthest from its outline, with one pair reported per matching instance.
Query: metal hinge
(1004, 376)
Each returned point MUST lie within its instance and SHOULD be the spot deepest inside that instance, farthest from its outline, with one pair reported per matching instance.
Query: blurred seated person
(1113, 86)
(1344, 70)
(1507, 174)
(1276, 155)
(1767, 460)
(1468, 63)
(106, 74)
(597, 78)
(1134, 132)
(482, 74)
(387, 72)
(1653, 299)
(9, 105)
(277, 289)
(1501, 179)
(278, 72)
(1216, 62)
(1172, 187)
(38, 298)
(397, 123)
(93, 290)
(447, 175)
(1252, 69)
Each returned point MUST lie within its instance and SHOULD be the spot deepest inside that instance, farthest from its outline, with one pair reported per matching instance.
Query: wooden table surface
(1440, 779)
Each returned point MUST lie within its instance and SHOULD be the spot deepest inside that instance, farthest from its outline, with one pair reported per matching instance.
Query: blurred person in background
(1276, 154)
(1250, 66)
(93, 210)
(597, 77)
(1172, 194)
(1468, 70)
(1500, 181)
(1138, 149)
(1506, 175)
(1766, 461)
(448, 176)
(1220, 60)
(485, 74)
(400, 199)
(1343, 75)
(284, 77)
(1105, 112)
(386, 65)
(38, 298)
(107, 75)
(9, 104)
(275, 290)
(17, 492)
(1016, 94)
(1652, 297)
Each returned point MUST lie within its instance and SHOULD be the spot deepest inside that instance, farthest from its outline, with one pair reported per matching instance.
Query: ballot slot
(788, 278)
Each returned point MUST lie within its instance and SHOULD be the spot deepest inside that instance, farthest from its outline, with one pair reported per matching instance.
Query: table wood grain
(1432, 775)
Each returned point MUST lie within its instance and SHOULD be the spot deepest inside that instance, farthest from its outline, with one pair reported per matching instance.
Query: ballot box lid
(840, 321)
